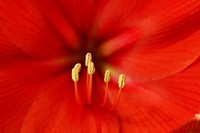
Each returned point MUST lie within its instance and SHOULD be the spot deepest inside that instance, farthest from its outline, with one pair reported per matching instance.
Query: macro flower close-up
(99, 66)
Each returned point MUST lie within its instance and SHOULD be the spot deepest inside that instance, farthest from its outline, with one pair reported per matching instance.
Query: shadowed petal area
(55, 110)
(191, 126)
(162, 105)
(73, 20)
(80, 14)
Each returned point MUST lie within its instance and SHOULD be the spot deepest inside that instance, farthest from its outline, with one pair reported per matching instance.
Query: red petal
(158, 16)
(162, 105)
(23, 28)
(71, 19)
(80, 14)
(162, 36)
(112, 15)
(20, 82)
(151, 62)
(149, 15)
(55, 110)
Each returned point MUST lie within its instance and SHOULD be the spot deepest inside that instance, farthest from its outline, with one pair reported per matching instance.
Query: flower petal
(80, 14)
(73, 20)
(22, 27)
(152, 62)
(149, 15)
(162, 36)
(55, 110)
(162, 105)
(18, 88)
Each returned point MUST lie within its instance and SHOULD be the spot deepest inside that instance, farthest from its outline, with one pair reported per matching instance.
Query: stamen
(89, 78)
(121, 83)
(107, 77)
(88, 58)
(78, 67)
(197, 117)
(77, 96)
(75, 78)
(75, 75)
(91, 70)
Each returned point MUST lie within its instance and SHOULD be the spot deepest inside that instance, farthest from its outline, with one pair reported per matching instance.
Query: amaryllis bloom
(153, 44)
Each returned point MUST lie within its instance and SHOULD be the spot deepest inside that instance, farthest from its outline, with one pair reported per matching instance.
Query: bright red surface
(156, 43)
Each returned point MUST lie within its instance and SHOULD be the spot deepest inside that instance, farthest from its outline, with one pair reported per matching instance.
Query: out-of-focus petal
(175, 16)
(152, 62)
(162, 105)
(112, 15)
(23, 28)
(150, 15)
(80, 14)
(55, 110)
(157, 40)
(73, 20)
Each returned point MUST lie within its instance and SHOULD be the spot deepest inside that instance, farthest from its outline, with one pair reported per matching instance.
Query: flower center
(89, 80)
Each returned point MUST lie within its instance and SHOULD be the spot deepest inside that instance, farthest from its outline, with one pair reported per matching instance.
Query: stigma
(89, 64)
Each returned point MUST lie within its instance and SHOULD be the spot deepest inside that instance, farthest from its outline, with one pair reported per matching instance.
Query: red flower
(155, 43)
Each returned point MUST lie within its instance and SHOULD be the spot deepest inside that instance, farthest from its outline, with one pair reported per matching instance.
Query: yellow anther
(75, 75)
(107, 76)
(91, 68)
(121, 81)
(88, 59)
(197, 116)
(78, 67)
